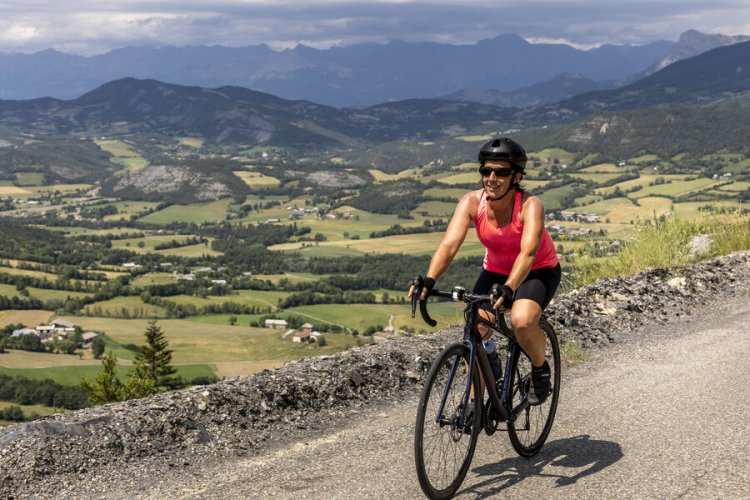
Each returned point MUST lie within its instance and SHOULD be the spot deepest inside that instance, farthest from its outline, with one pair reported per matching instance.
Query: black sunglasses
(499, 172)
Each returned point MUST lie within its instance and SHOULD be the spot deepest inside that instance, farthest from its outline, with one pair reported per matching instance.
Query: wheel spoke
(442, 452)
(530, 430)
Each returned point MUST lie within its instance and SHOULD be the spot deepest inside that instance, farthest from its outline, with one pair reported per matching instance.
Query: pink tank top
(503, 244)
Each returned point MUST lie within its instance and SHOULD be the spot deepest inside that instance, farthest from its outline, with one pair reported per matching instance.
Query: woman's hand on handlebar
(505, 296)
(422, 286)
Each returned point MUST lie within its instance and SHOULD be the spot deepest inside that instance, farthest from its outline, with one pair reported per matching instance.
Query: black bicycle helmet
(506, 149)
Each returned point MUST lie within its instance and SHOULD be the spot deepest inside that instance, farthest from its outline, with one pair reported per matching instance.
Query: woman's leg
(524, 316)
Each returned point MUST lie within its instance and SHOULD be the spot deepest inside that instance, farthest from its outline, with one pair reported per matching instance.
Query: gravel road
(661, 416)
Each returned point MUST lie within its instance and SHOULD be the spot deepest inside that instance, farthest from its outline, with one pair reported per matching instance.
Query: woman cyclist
(519, 253)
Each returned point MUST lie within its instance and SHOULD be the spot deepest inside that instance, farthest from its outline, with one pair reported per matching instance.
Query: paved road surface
(663, 418)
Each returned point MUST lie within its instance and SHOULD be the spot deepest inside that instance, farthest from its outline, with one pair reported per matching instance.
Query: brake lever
(416, 292)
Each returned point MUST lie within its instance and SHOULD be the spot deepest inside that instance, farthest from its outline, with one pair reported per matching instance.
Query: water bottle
(495, 362)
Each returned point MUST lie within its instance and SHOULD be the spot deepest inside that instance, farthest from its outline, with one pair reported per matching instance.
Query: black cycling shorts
(540, 285)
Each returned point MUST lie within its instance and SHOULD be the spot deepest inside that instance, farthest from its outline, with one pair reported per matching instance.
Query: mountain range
(244, 116)
(352, 76)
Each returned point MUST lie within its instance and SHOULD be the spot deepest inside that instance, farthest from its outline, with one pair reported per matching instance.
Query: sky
(89, 27)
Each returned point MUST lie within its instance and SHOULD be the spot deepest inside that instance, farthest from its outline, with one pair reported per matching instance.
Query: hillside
(561, 87)
(664, 132)
(236, 115)
(703, 80)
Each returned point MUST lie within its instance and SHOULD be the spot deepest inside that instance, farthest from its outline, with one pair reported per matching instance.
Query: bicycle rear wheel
(443, 448)
(530, 430)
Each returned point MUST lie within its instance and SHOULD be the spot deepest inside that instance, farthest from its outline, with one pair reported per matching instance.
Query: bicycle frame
(478, 357)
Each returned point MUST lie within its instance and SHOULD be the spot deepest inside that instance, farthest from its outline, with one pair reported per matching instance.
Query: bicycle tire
(532, 427)
(443, 451)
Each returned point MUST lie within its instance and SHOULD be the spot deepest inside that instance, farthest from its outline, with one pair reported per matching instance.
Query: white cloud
(88, 27)
(19, 34)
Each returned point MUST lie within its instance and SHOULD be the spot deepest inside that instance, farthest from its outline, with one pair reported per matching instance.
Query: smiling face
(496, 185)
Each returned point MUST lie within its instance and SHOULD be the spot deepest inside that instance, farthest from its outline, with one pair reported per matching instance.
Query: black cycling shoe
(469, 418)
(540, 385)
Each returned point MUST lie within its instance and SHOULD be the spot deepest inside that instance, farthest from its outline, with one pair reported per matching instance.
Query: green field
(204, 343)
(256, 179)
(440, 192)
(360, 316)
(675, 188)
(412, 244)
(249, 297)
(551, 154)
(29, 178)
(623, 211)
(603, 168)
(598, 178)
(441, 209)
(153, 279)
(47, 294)
(28, 317)
(553, 197)
(690, 210)
(151, 241)
(28, 411)
(133, 305)
(123, 154)
(73, 375)
(213, 211)
(291, 277)
(28, 272)
(126, 209)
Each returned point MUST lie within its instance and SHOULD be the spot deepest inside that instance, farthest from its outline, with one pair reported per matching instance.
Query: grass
(28, 272)
(256, 179)
(360, 316)
(13, 190)
(73, 375)
(666, 243)
(126, 209)
(123, 154)
(603, 168)
(134, 306)
(29, 178)
(28, 411)
(192, 142)
(150, 242)
(435, 209)
(565, 157)
(412, 244)
(28, 317)
(213, 211)
(676, 188)
(198, 343)
(48, 294)
(552, 199)
(572, 353)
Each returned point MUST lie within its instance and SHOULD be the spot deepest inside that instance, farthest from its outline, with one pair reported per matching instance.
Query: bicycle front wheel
(448, 423)
(530, 430)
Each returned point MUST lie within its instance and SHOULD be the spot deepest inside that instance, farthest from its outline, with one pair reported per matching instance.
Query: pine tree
(156, 357)
(140, 383)
(106, 388)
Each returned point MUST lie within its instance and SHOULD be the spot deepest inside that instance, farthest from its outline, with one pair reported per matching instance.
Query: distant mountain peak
(693, 42)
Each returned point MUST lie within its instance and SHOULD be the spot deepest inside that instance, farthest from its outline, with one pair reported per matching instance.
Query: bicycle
(449, 418)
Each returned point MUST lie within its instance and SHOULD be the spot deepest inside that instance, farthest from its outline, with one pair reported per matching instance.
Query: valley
(257, 231)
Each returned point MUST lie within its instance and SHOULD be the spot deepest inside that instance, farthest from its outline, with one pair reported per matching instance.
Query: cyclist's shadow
(570, 453)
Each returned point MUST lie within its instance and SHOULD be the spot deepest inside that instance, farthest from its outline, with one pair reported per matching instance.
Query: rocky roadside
(244, 416)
